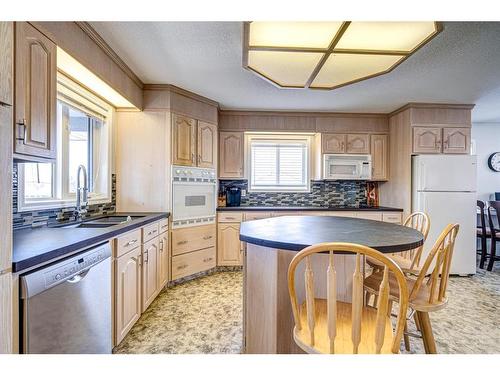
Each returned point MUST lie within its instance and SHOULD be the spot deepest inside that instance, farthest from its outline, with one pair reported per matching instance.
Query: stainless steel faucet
(81, 191)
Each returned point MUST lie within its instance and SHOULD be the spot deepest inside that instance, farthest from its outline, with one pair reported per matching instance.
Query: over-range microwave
(347, 167)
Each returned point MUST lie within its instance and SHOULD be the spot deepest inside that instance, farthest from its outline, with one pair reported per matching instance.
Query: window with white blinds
(279, 164)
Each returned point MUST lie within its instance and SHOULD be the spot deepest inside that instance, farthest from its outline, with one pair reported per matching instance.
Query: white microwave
(347, 167)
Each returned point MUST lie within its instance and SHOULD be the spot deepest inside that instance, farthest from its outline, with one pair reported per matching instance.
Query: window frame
(307, 138)
(78, 97)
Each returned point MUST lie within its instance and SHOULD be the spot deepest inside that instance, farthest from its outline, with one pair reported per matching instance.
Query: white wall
(487, 140)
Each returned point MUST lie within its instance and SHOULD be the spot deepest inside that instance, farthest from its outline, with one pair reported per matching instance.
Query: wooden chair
(494, 232)
(409, 261)
(331, 326)
(482, 233)
(427, 291)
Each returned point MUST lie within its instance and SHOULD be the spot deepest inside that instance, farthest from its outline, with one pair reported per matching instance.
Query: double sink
(101, 222)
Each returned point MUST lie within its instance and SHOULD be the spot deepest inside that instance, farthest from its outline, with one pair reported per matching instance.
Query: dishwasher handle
(77, 278)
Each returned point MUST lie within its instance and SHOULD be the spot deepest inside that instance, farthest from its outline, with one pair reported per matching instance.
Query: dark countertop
(309, 208)
(297, 232)
(32, 247)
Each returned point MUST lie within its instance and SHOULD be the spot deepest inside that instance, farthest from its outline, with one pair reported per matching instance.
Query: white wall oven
(347, 167)
(194, 194)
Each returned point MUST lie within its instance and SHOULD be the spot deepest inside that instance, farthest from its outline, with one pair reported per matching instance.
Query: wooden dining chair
(482, 233)
(494, 206)
(409, 261)
(427, 291)
(326, 325)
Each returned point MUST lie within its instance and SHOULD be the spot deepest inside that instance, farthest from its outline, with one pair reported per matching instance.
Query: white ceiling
(461, 65)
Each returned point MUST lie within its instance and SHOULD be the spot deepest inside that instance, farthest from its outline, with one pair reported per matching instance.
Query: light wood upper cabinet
(6, 62)
(163, 267)
(427, 140)
(128, 292)
(456, 140)
(358, 144)
(183, 140)
(380, 158)
(35, 93)
(231, 158)
(150, 257)
(228, 245)
(207, 145)
(333, 143)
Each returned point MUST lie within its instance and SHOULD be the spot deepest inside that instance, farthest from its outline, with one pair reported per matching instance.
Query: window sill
(56, 204)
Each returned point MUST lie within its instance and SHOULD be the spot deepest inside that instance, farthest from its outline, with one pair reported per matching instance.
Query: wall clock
(494, 162)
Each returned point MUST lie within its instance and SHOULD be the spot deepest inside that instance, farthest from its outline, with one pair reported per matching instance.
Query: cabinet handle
(207, 237)
(151, 232)
(161, 245)
(199, 159)
(230, 218)
(24, 132)
(147, 256)
(207, 260)
(182, 242)
(182, 266)
(131, 242)
(192, 158)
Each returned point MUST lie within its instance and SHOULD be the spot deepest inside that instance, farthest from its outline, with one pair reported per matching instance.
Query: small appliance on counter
(233, 196)
(497, 196)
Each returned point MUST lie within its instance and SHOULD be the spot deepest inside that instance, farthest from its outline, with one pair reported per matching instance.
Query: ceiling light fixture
(328, 55)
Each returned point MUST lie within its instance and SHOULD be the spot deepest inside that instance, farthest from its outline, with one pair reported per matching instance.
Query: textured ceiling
(461, 65)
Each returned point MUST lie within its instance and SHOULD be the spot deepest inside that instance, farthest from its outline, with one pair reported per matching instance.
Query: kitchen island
(271, 245)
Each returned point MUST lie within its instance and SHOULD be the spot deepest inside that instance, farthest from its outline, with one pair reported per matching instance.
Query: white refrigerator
(444, 186)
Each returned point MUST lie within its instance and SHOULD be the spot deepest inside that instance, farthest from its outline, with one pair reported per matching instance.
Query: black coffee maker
(233, 196)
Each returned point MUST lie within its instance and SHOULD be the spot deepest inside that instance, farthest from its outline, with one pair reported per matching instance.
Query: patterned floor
(205, 316)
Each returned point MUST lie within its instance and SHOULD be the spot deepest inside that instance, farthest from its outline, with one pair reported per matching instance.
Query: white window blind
(279, 165)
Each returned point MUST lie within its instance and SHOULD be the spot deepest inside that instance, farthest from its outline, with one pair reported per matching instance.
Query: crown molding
(94, 35)
(431, 106)
(300, 114)
(181, 91)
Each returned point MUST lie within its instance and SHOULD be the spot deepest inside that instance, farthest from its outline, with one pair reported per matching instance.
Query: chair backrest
(481, 205)
(493, 205)
(389, 266)
(421, 222)
(439, 258)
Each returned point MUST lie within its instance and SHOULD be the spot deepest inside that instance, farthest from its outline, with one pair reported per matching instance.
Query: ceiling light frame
(327, 52)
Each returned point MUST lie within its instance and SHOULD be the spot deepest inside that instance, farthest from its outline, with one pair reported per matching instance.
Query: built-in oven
(194, 196)
(347, 167)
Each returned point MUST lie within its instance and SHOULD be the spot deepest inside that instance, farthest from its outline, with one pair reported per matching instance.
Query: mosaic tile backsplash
(27, 219)
(323, 193)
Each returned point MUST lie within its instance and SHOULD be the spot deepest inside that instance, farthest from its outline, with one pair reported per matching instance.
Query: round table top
(297, 232)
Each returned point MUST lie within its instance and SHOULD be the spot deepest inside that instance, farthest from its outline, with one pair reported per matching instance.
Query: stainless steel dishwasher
(66, 306)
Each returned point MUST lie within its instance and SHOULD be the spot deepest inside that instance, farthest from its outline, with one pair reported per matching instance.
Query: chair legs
(493, 254)
(427, 335)
(406, 338)
(483, 252)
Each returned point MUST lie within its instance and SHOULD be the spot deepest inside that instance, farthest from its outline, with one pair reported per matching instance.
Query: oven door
(193, 200)
(342, 170)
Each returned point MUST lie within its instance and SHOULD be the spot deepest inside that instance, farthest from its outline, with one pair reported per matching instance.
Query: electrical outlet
(243, 192)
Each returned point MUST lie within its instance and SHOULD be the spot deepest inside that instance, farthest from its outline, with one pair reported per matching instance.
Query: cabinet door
(231, 155)
(358, 144)
(35, 93)
(426, 140)
(183, 140)
(150, 272)
(163, 261)
(228, 245)
(6, 61)
(207, 145)
(333, 143)
(456, 140)
(128, 292)
(379, 150)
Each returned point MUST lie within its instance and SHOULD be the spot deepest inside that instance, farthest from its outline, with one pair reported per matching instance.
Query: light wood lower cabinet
(185, 240)
(128, 283)
(194, 262)
(229, 246)
(150, 266)
(163, 263)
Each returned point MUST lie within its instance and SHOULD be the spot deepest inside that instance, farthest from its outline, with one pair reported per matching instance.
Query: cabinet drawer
(185, 240)
(150, 231)
(127, 242)
(392, 217)
(256, 215)
(197, 261)
(163, 223)
(369, 215)
(230, 217)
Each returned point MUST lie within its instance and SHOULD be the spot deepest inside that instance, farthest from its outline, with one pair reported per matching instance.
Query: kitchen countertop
(309, 208)
(35, 246)
(297, 232)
